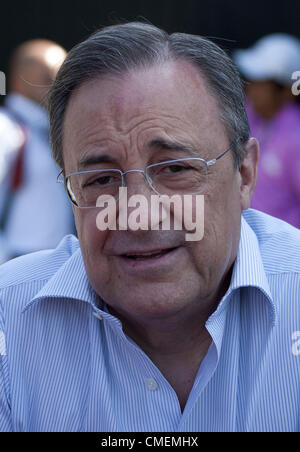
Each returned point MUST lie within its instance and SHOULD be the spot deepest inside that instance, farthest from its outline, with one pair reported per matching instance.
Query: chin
(149, 302)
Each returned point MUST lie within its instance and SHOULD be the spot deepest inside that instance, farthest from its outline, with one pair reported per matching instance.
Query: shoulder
(279, 242)
(37, 267)
(6, 120)
(11, 134)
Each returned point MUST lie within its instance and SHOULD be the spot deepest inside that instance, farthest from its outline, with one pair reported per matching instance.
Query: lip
(135, 252)
(168, 258)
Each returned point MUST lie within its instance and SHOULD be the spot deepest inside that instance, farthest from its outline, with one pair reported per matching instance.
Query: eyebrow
(93, 160)
(174, 146)
(159, 143)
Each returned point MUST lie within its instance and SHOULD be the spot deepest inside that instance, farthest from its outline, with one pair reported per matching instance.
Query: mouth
(151, 255)
(157, 261)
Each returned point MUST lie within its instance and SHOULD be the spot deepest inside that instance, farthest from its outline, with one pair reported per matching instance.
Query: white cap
(273, 57)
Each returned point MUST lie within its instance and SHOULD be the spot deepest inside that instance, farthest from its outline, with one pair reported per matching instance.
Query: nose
(135, 208)
(137, 183)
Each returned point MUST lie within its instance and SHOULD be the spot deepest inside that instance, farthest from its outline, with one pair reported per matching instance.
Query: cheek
(222, 213)
(223, 197)
(92, 242)
(91, 239)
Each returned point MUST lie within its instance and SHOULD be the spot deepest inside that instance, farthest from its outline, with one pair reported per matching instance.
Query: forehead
(165, 101)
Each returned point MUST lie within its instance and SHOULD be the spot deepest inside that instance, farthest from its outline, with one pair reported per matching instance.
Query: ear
(248, 173)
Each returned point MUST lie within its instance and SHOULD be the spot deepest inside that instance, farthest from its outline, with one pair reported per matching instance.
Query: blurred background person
(274, 116)
(34, 210)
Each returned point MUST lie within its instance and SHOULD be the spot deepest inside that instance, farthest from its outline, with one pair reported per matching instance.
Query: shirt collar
(248, 270)
(71, 282)
(27, 111)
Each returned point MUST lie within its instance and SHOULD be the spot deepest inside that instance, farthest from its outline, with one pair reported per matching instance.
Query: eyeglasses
(184, 176)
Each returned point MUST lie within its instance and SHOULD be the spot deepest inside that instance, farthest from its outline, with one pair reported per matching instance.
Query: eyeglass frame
(149, 181)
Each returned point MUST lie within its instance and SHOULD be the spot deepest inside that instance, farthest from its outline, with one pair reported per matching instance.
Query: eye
(176, 168)
(103, 180)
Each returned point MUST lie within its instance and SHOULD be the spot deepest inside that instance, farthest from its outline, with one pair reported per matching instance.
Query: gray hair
(116, 49)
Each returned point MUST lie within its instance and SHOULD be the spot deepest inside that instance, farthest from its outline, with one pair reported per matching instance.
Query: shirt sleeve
(5, 412)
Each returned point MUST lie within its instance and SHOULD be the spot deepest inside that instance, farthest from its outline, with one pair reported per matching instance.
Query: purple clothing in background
(278, 187)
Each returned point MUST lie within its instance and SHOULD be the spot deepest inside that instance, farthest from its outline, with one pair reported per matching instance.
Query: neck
(173, 335)
(178, 342)
(176, 348)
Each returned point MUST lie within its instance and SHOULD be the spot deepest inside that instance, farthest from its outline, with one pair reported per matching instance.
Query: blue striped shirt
(66, 364)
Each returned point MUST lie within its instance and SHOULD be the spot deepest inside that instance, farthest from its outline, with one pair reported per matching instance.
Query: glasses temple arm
(60, 178)
(212, 162)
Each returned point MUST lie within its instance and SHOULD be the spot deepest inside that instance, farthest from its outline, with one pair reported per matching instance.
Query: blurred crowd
(269, 68)
(35, 213)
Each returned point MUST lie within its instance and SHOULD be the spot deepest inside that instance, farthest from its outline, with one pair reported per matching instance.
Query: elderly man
(135, 329)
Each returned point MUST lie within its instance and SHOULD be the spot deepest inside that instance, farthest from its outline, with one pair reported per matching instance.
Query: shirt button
(98, 316)
(151, 384)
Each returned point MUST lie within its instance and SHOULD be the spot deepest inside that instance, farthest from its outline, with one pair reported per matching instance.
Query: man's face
(265, 97)
(122, 117)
